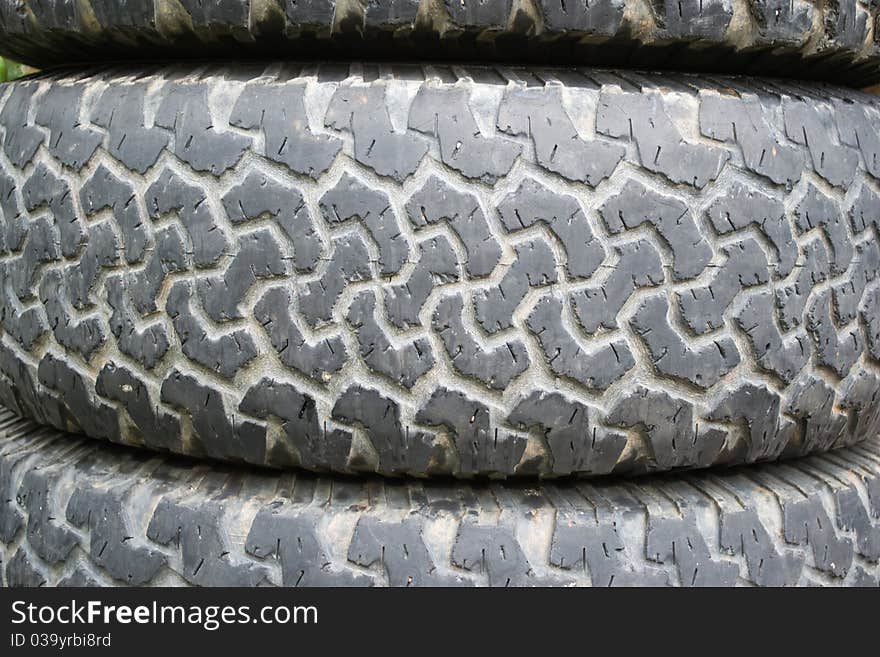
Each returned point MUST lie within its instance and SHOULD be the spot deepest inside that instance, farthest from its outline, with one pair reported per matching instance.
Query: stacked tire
(482, 322)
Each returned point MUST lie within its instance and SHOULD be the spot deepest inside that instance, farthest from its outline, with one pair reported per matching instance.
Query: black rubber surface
(481, 272)
(835, 41)
(76, 512)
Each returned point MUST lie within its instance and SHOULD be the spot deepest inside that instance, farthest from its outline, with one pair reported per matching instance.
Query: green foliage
(11, 70)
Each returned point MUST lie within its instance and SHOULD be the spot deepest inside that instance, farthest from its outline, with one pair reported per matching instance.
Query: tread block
(111, 545)
(742, 207)
(348, 263)
(668, 426)
(184, 110)
(169, 256)
(816, 210)
(752, 413)
(400, 449)
(596, 369)
(857, 129)
(351, 199)
(638, 265)
(782, 355)
(19, 392)
(662, 148)
(636, 205)
(148, 345)
(51, 541)
(44, 189)
(480, 446)
(587, 538)
(494, 552)
(463, 147)
(811, 402)
(436, 201)
(225, 354)
(671, 540)
(693, 18)
(105, 190)
(40, 247)
(362, 111)
(294, 539)
(13, 229)
(101, 250)
(742, 533)
(805, 521)
(405, 364)
(316, 359)
(791, 299)
(93, 417)
(219, 435)
(869, 312)
(805, 125)
(494, 366)
(535, 266)
(171, 194)
(22, 572)
(577, 441)
(865, 269)
(26, 325)
(279, 112)
(84, 336)
(671, 355)
(259, 195)
(308, 441)
(436, 265)
(743, 120)
(532, 203)
(194, 528)
(397, 548)
(838, 350)
(69, 141)
(154, 427)
(258, 256)
(120, 111)
(12, 520)
(858, 395)
(862, 212)
(20, 140)
(539, 114)
(702, 308)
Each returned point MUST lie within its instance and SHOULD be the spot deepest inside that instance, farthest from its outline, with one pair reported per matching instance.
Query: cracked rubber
(74, 512)
(420, 276)
(835, 41)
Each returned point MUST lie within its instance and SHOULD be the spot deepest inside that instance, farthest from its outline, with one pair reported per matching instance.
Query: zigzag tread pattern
(75, 512)
(820, 40)
(254, 288)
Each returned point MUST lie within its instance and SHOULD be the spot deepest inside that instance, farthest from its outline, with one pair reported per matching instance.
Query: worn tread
(76, 512)
(522, 297)
(832, 41)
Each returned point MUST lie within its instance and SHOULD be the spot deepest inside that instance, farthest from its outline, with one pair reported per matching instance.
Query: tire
(78, 513)
(834, 41)
(678, 283)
